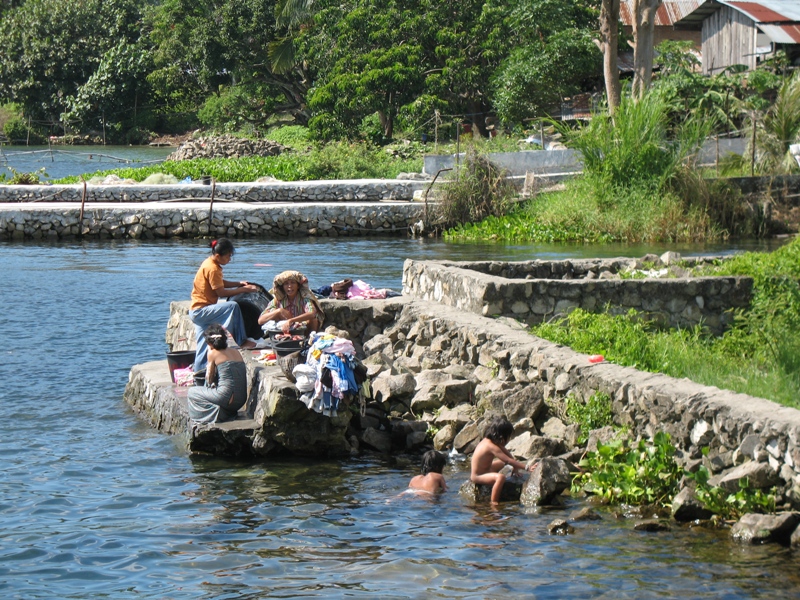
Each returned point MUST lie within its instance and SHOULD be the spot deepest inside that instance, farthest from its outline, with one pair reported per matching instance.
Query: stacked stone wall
(536, 291)
(164, 221)
(494, 367)
(354, 190)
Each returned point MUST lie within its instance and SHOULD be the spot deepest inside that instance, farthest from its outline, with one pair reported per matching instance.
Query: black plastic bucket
(179, 360)
(286, 347)
(252, 304)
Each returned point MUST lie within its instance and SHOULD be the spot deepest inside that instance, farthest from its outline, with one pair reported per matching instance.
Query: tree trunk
(609, 40)
(644, 18)
(387, 122)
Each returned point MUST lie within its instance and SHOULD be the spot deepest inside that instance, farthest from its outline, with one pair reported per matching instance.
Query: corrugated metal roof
(782, 34)
(763, 11)
(769, 11)
(666, 15)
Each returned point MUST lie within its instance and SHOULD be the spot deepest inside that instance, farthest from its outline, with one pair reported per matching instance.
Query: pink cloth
(363, 290)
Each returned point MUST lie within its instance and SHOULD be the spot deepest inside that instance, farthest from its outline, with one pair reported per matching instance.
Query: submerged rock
(759, 529)
(548, 479)
(475, 493)
(687, 507)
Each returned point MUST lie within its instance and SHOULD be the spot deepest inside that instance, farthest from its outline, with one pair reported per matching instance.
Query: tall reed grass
(640, 183)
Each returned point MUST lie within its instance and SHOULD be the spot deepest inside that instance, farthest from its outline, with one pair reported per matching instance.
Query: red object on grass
(596, 358)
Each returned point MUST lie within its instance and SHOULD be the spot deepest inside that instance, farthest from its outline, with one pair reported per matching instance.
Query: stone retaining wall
(441, 367)
(149, 221)
(345, 190)
(535, 291)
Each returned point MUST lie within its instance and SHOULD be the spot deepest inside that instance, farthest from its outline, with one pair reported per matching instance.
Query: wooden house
(744, 33)
(667, 14)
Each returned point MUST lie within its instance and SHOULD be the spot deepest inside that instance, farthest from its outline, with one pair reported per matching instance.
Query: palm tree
(779, 129)
(290, 14)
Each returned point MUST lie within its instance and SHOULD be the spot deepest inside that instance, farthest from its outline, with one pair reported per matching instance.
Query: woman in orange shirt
(209, 287)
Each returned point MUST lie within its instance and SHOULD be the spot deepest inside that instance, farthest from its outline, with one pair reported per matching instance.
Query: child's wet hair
(216, 336)
(433, 462)
(499, 430)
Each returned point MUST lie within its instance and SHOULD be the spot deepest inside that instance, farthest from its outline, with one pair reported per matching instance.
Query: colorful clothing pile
(332, 367)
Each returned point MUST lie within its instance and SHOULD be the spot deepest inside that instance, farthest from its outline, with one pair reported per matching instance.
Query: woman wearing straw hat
(293, 303)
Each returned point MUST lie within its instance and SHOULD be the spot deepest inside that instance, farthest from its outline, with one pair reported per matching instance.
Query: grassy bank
(759, 355)
(576, 214)
(640, 183)
(333, 161)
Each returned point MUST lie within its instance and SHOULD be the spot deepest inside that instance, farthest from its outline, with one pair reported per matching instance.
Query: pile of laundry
(347, 289)
(332, 376)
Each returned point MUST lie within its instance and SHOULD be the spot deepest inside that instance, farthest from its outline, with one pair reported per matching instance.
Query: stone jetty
(438, 372)
(235, 210)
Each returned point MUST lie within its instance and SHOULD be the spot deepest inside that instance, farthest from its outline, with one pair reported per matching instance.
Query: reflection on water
(62, 161)
(94, 503)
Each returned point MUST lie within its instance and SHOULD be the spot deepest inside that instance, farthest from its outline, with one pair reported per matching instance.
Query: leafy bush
(478, 190)
(642, 473)
(23, 178)
(594, 413)
(731, 505)
(295, 137)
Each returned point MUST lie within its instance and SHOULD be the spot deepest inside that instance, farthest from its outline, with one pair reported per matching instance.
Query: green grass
(333, 161)
(759, 355)
(577, 214)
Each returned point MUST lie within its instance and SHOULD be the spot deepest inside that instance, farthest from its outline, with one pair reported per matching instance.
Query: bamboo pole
(83, 204)
(211, 204)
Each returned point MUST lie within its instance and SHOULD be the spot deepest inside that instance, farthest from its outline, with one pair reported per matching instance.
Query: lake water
(62, 161)
(93, 503)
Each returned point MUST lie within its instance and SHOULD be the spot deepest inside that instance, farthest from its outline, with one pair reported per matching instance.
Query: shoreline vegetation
(759, 355)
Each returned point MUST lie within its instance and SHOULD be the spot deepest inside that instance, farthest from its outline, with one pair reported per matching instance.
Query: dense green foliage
(645, 472)
(639, 473)
(50, 49)
(358, 68)
(594, 413)
(759, 355)
(731, 505)
(333, 161)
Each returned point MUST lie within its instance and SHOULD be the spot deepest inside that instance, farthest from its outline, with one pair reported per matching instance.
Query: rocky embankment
(226, 146)
(438, 374)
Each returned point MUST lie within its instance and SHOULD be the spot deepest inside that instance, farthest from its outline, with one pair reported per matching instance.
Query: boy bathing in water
(431, 480)
(491, 455)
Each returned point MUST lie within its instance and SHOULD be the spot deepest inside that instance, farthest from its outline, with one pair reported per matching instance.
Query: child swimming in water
(431, 480)
(491, 455)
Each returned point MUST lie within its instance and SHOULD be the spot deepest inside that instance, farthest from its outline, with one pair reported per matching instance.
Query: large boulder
(444, 437)
(525, 403)
(759, 529)
(529, 446)
(458, 416)
(377, 440)
(435, 389)
(548, 479)
(468, 438)
(758, 475)
(392, 388)
(687, 507)
(284, 423)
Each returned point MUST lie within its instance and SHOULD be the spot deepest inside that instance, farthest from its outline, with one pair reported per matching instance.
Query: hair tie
(215, 336)
(213, 243)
